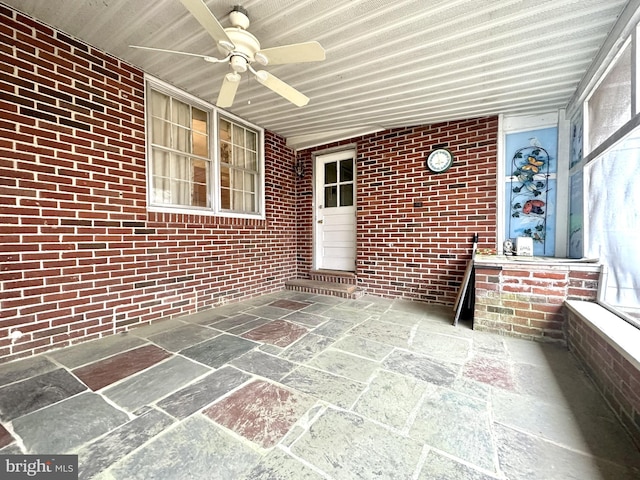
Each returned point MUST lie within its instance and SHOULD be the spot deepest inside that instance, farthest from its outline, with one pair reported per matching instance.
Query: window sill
(622, 336)
(207, 213)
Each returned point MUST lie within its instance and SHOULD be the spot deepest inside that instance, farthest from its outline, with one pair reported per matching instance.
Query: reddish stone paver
(261, 412)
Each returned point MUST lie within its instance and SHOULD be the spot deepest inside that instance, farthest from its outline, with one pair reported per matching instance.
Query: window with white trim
(604, 194)
(239, 172)
(200, 160)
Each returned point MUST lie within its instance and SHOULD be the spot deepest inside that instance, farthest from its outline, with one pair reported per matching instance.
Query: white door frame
(318, 207)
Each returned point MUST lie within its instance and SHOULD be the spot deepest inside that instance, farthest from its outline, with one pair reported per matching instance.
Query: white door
(335, 211)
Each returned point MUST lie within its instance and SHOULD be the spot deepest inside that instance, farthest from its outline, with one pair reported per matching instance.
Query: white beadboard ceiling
(389, 63)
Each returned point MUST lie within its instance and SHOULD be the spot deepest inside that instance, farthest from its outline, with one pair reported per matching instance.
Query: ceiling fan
(241, 49)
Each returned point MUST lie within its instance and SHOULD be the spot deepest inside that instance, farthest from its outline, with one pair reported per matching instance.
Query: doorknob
(320, 221)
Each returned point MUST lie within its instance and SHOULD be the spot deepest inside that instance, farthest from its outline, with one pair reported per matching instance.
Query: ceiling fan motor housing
(239, 17)
(246, 46)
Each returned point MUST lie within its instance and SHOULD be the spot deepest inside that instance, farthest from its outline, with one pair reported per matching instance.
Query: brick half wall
(609, 349)
(526, 299)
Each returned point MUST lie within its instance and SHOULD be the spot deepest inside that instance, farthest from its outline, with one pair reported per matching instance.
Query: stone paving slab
(278, 464)
(20, 398)
(263, 364)
(219, 350)
(183, 336)
(337, 390)
(306, 348)
(23, 369)
(392, 398)
(527, 457)
(95, 350)
(347, 446)
(104, 372)
(421, 367)
(344, 364)
(438, 466)
(68, 424)
(153, 384)
(194, 449)
(363, 347)
(107, 450)
(260, 411)
(203, 392)
(458, 425)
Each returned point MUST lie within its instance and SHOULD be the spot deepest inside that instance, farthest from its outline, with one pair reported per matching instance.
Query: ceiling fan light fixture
(238, 63)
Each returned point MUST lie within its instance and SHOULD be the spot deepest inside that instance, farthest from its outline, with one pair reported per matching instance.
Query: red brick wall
(616, 377)
(526, 300)
(414, 228)
(80, 255)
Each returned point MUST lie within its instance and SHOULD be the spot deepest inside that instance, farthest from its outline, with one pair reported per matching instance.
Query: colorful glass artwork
(531, 187)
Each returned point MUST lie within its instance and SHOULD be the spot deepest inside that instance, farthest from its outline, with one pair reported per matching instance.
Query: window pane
(330, 172)
(238, 156)
(238, 135)
(346, 195)
(199, 121)
(180, 113)
(252, 161)
(161, 190)
(225, 130)
(249, 182)
(200, 145)
(614, 222)
(200, 182)
(225, 192)
(249, 202)
(610, 105)
(181, 139)
(161, 134)
(330, 196)
(346, 170)
(252, 140)
(160, 104)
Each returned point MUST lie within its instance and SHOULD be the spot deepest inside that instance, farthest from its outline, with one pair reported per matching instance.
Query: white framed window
(201, 160)
(605, 163)
(239, 167)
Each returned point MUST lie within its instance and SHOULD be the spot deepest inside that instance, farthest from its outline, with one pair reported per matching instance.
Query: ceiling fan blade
(228, 90)
(281, 88)
(294, 53)
(206, 57)
(209, 22)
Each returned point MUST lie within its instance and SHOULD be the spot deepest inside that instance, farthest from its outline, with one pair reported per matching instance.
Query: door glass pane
(346, 170)
(331, 196)
(346, 195)
(330, 172)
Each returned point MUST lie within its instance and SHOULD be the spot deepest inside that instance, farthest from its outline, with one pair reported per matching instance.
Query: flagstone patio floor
(300, 386)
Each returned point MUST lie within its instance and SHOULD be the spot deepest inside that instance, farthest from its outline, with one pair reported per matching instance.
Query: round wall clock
(439, 160)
